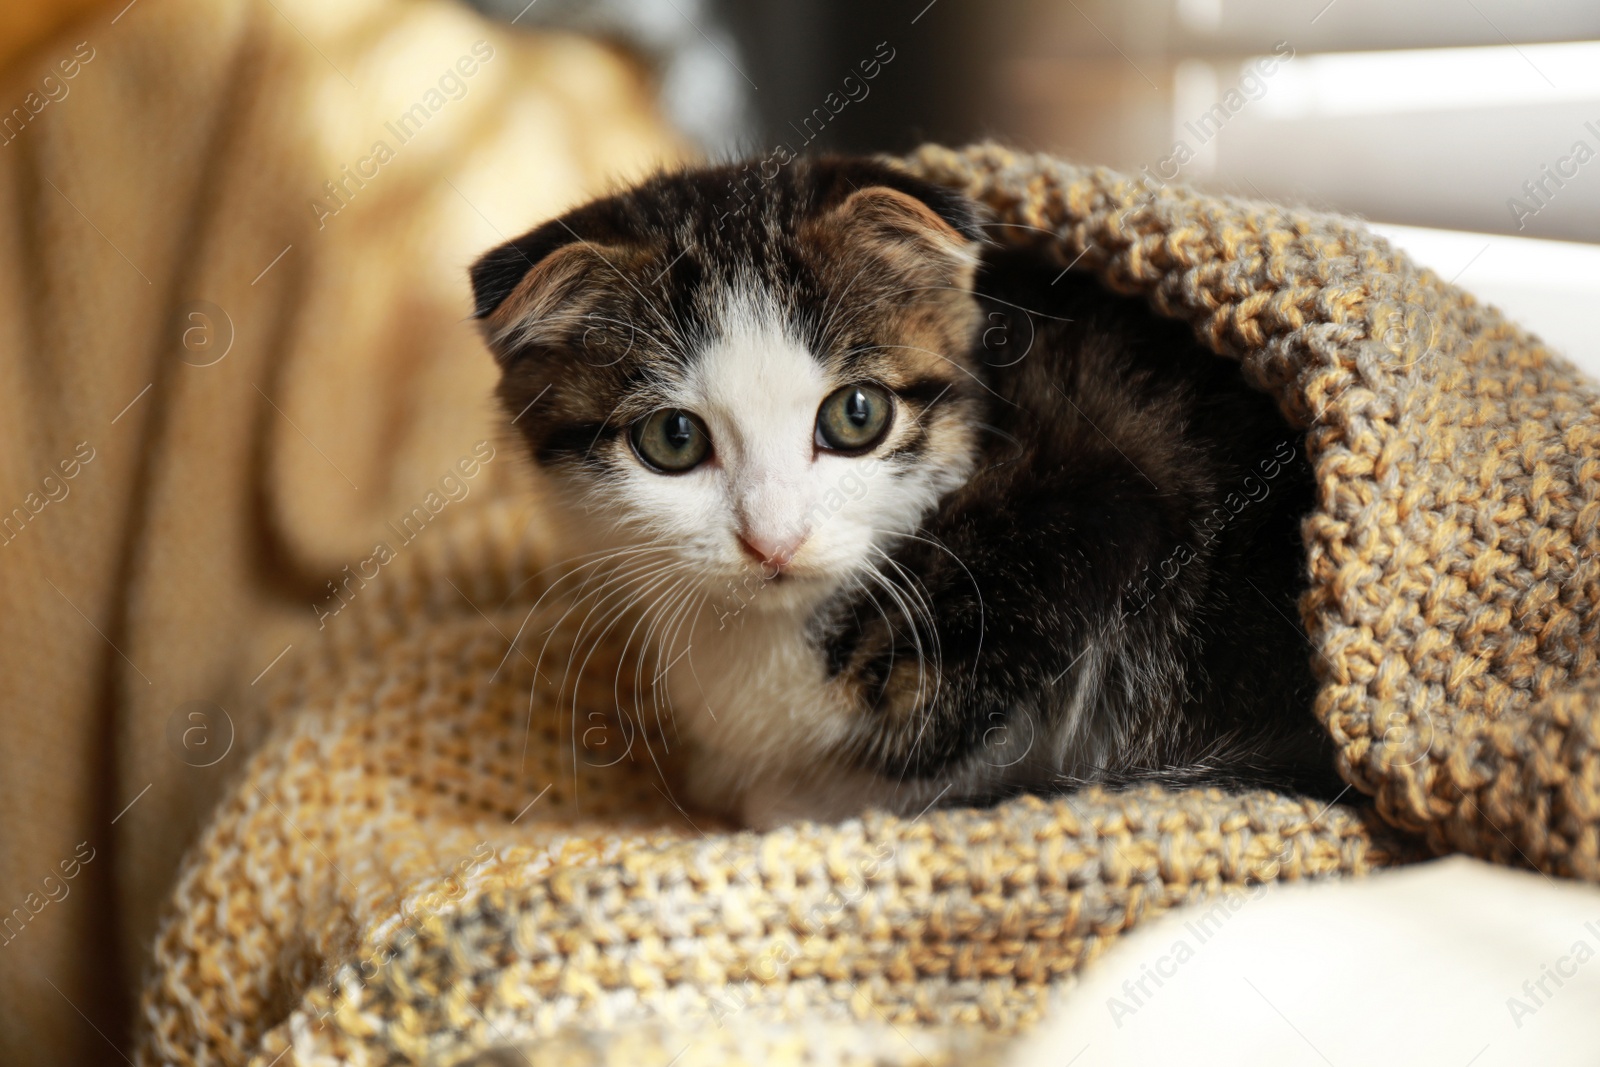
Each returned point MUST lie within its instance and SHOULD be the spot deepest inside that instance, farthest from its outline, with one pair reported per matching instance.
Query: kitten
(904, 517)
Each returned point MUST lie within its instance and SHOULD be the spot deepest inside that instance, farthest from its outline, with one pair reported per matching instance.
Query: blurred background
(1461, 116)
(1429, 112)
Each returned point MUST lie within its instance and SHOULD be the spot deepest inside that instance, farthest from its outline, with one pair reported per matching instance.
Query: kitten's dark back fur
(1136, 492)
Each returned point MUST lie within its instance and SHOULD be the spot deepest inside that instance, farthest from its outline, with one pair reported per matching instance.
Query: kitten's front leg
(975, 652)
(904, 651)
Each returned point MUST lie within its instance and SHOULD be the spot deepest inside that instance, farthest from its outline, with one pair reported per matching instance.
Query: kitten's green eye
(854, 418)
(671, 440)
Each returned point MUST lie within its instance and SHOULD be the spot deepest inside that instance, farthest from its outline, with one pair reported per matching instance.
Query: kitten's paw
(894, 674)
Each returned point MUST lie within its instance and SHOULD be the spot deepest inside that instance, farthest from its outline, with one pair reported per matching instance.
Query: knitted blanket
(427, 864)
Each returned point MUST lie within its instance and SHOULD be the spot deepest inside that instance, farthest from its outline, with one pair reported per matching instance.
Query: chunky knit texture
(424, 864)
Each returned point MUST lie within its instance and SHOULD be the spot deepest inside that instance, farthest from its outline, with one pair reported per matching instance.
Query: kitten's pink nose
(769, 550)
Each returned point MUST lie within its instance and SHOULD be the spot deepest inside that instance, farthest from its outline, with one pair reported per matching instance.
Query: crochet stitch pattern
(395, 879)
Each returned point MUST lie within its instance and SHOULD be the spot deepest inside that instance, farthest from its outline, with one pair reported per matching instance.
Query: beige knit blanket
(425, 865)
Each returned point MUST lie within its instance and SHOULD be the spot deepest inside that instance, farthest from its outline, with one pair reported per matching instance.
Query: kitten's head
(759, 375)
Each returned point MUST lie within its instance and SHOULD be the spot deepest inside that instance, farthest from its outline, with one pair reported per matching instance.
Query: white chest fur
(751, 695)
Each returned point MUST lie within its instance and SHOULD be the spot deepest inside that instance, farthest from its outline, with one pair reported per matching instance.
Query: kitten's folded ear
(849, 177)
(530, 291)
(917, 223)
(497, 272)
